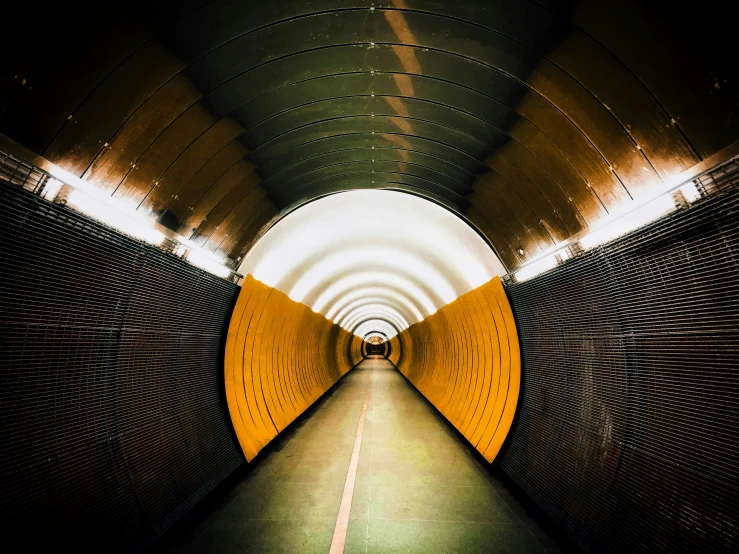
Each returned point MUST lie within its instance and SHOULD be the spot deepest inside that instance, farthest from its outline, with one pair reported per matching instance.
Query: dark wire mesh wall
(112, 423)
(628, 431)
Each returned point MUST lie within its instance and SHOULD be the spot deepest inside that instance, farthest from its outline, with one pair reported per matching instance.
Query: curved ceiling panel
(531, 119)
(376, 327)
(372, 256)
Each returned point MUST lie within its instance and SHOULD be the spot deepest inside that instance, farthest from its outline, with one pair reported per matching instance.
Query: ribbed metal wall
(112, 421)
(628, 428)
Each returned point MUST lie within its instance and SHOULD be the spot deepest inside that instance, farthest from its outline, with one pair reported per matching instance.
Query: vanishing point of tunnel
(368, 276)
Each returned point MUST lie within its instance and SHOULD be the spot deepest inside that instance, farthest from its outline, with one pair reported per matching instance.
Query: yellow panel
(233, 369)
(514, 384)
(489, 347)
(280, 357)
(500, 385)
(395, 350)
(477, 349)
(465, 359)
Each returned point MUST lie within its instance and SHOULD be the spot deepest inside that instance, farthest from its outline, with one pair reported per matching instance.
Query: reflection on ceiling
(372, 260)
(535, 120)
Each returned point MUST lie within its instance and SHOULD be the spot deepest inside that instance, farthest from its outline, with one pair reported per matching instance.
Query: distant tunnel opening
(376, 344)
(377, 349)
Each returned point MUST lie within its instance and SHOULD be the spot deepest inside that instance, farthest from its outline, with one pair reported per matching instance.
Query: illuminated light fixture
(536, 267)
(634, 219)
(562, 255)
(416, 254)
(124, 216)
(690, 191)
(109, 215)
(52, 188)
(208, 264)
(204, 259)
(617, 225)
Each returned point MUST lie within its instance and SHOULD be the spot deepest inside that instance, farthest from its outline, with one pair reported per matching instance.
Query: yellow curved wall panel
(396, 349)
(280, 358)
(465, 360)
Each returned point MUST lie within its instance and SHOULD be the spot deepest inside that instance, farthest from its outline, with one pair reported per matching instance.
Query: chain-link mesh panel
(112, 419)
(628, 428)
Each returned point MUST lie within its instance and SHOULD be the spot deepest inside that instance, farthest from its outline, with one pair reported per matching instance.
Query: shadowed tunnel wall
(280, 358)
(112, 413)
(628, 432)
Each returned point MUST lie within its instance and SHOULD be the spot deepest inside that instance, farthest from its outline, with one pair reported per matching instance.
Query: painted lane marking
(342, 520)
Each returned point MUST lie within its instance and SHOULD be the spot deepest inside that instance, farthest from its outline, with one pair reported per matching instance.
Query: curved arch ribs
(466, 361)
(280, 358)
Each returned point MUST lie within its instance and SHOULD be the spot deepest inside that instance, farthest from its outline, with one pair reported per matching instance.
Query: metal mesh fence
(628, 426)
(112, 421)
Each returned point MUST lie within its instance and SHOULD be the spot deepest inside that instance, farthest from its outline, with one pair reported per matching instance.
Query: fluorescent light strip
(128, 219)
(130, 223)
(610, 228)
(105, 213)
(636, 218)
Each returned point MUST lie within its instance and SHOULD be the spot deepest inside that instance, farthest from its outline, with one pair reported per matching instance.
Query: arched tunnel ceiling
(372, 260)
(531, 119)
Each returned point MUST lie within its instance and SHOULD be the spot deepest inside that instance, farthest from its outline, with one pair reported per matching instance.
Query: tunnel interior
(376, 344)
(398, 275)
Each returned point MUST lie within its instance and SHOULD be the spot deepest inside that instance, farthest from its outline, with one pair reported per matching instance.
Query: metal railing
(28, 176)
(709, 178)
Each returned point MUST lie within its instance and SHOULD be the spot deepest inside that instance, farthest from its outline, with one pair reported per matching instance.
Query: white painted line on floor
(342, 521)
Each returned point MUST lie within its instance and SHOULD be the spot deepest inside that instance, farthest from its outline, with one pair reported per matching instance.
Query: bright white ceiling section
(375, 335)
(376, 326)
(372, 260)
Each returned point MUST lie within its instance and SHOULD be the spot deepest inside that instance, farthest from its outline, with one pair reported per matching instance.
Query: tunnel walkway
(417, 486)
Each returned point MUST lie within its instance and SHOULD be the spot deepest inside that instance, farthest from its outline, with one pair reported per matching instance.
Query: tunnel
(369, 276)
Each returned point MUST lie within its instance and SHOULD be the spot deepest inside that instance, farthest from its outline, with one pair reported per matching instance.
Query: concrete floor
(419, 488)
